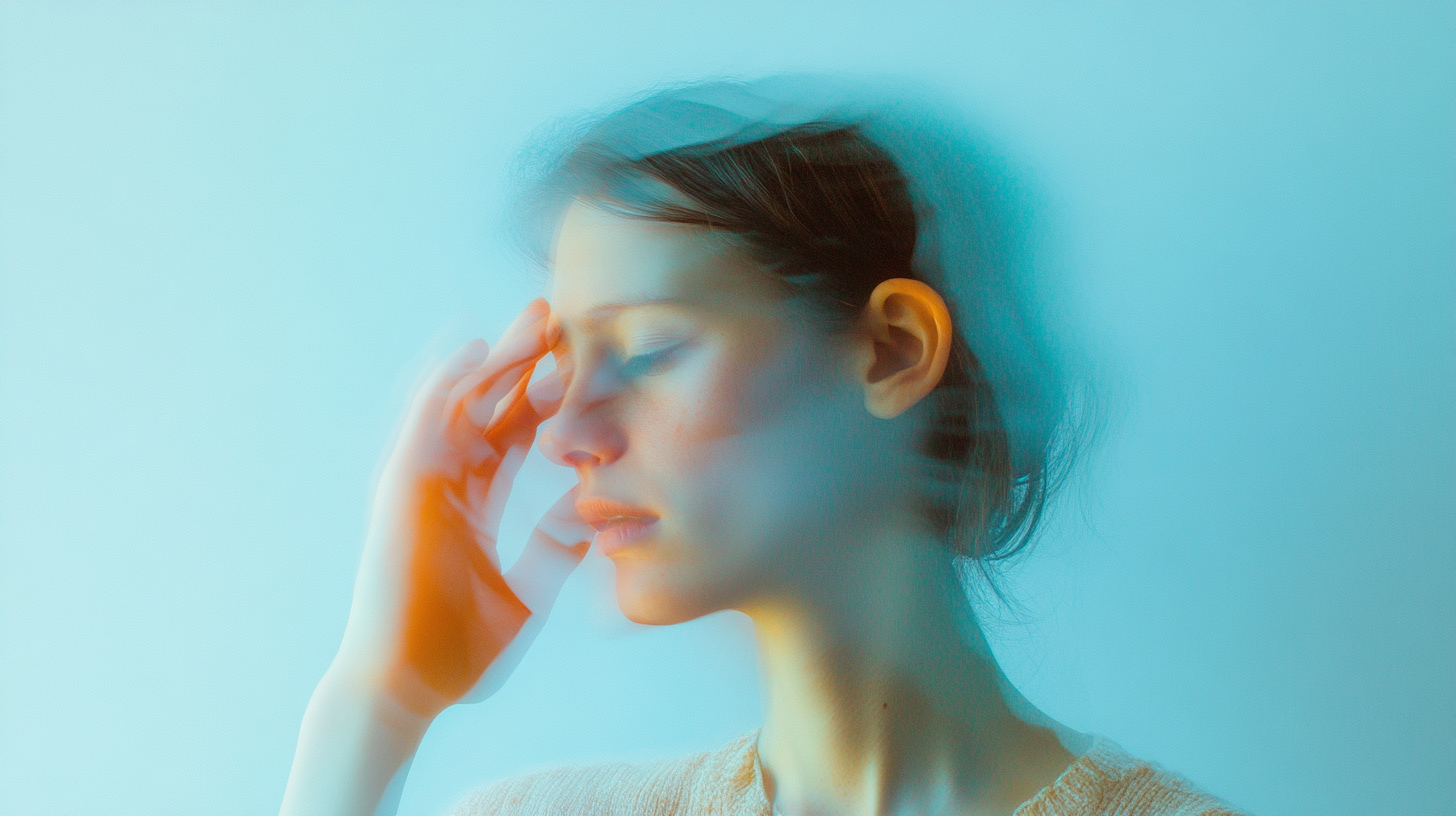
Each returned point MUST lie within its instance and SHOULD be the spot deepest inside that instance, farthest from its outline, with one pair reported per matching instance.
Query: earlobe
(908, 330)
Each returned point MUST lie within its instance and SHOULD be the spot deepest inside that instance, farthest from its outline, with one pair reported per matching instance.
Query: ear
(907, 330)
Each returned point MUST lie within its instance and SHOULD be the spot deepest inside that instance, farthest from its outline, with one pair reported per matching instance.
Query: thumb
(555, 547)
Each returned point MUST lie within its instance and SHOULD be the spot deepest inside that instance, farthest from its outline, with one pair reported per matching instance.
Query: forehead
(602, 260)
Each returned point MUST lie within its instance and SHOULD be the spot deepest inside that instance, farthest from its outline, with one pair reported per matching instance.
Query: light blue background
(231, 234)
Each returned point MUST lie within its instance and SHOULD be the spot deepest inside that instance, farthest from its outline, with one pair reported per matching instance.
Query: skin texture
(778, 460)
(732, 453)
(692, 396)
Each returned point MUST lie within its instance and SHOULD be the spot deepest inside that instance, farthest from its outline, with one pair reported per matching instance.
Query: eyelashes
(650, 362)
(630, 356)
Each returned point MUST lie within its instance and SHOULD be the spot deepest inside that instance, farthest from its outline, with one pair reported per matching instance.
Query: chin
(645, 597)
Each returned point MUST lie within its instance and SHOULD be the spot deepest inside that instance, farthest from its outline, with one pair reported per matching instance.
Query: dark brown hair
(829, 212)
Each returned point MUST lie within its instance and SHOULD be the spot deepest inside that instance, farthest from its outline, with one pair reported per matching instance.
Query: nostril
(578, 458)
(577, 440)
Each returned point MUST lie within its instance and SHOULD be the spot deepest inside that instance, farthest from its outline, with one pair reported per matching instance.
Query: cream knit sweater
(1105, 781)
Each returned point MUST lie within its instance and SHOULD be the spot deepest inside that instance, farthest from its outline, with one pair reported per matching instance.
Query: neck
(882, 695)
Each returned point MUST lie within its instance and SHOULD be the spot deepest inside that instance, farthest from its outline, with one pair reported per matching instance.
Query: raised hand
(433, 617)
(431, 608)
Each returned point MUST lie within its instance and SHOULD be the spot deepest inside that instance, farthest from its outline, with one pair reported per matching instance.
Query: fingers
(522, 344)
(553, 329)
(490, 405)
(526, 404)
(555, 547)
(478, 387)
(493, 492)
(463, 360)
(432, 395)
(545, 395)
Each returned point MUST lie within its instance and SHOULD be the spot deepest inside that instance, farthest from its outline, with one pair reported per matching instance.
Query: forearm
(354, 748)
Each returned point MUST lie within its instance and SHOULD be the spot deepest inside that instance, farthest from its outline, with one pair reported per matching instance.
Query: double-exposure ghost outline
(802, 372)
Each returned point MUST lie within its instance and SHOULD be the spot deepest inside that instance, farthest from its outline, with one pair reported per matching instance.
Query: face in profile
(721, 439)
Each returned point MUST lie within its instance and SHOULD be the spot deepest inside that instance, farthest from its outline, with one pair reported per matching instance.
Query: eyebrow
(604, 310)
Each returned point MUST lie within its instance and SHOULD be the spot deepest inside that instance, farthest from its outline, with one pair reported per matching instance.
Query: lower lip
(624, 534)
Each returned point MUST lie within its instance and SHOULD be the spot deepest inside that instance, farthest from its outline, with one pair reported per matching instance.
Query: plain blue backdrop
(231, 234)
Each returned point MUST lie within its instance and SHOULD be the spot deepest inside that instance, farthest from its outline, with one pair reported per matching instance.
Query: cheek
(685, 417)
(686, 447)
(751, 452)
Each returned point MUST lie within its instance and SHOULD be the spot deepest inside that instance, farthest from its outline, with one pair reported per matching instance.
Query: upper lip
(603, 513)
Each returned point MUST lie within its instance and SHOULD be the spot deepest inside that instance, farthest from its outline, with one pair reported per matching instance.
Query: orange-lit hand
(432, 610)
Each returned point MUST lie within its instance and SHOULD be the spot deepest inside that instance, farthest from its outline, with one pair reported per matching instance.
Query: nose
(584, 433)
(581, 439)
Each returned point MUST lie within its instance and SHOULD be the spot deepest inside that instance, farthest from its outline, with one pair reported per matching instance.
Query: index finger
(524, 342)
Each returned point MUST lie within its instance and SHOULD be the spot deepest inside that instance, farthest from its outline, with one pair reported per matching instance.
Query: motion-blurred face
(721, 440)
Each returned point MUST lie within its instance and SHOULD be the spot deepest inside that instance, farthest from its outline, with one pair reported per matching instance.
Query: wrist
(366, 697)
(353, 749)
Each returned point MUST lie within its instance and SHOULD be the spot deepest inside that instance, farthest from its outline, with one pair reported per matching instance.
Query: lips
(603, 513)
(618, 525)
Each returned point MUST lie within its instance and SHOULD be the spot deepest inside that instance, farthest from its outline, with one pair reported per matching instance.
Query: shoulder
(1107, 781)
(724, 781)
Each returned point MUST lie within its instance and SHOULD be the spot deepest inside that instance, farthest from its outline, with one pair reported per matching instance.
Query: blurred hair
(820, 202)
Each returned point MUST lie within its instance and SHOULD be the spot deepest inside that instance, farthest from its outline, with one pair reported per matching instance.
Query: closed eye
(650, 362)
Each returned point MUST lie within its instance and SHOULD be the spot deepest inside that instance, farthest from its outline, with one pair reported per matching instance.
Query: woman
(795, 378)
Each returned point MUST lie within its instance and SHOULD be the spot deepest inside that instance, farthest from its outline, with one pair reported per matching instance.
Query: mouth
(618, 526)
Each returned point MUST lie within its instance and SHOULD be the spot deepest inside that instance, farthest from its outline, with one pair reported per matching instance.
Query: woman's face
(722, 443)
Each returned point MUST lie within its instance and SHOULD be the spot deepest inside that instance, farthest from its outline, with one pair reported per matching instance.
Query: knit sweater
(1105, 781)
